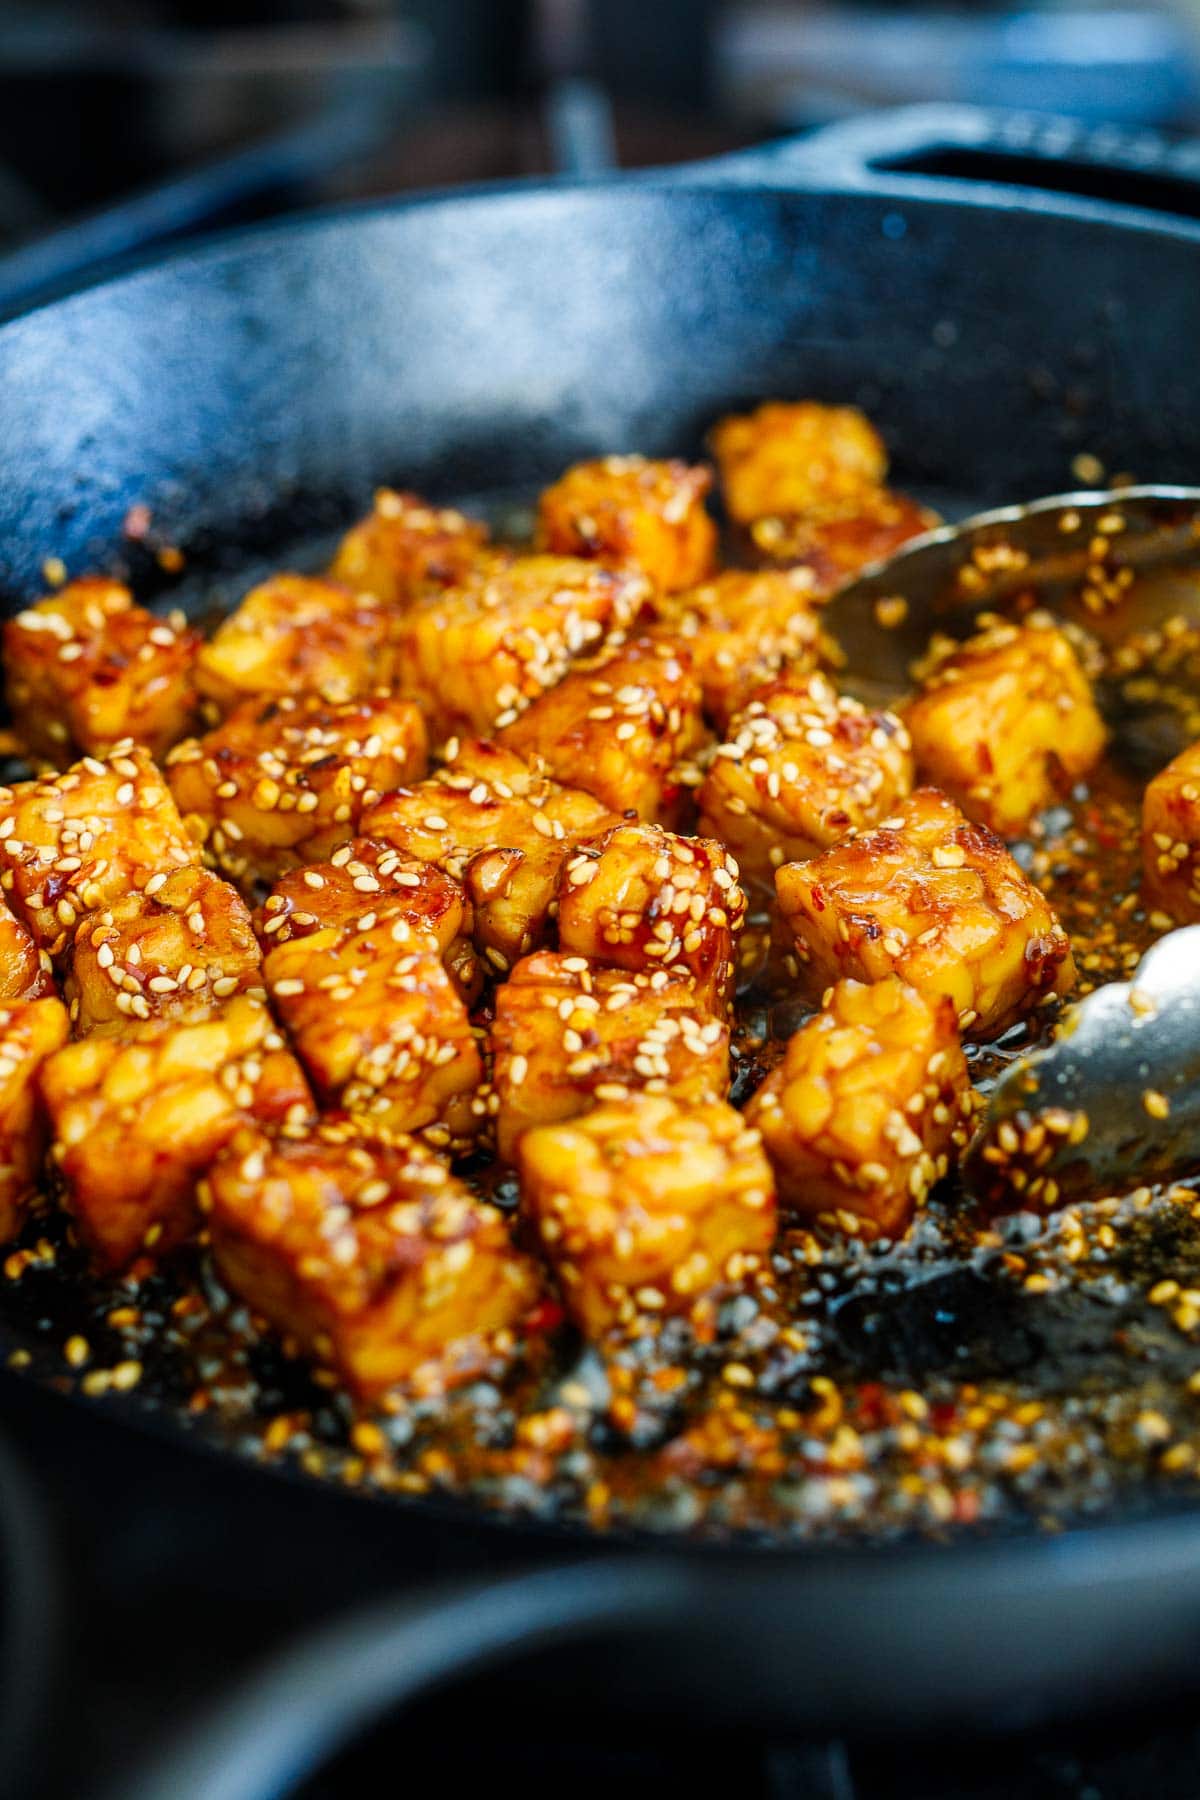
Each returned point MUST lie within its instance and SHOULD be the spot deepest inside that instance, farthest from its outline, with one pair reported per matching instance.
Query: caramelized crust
(135, 1121)
(741, 628)
(569, 1034)
(25, 971)
(501, 827)
(174, 951)
(86, 668)
(297, 633)
(618, 726)
(405, 544)
(645, 899)
(478, 651)
(865, 1111)
(830, 543)
(379, 1026)
(73, 843)
(363, 880)
(30, 1031)
(1005, 723)
(284, 781)
(936, 900)
(1171, 838)
(793, 456)
(802, 768)
(644, 1206)
(630, 510)
(367, 1251)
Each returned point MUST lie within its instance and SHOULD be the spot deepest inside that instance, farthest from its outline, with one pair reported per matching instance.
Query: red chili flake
(547, 1315)
(943, 1415)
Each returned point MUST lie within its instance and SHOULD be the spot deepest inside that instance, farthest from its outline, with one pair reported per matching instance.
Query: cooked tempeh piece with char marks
(795, 456)
(86, 669)
(741, 628)
(618, 726)
(294, 634)
(1171, 838)
(364, 883)
(832, 543)
(1006, 722)
(569, 1034)
(364, 1248)
(30, 1031)
(871, 1100)
(643, 1206)
(404, 544)
(503, 828)
(629, 510)
(136, 1120)
(73, 843)
(937, 900)
(803, 766)
(284, 781)
(644, 898)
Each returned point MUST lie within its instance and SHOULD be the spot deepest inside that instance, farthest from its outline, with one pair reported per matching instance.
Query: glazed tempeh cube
(937, 900)
(30, 1031)
(367, 1251)
(1006, 723)
(742, 628)
(478, 651)
(630, 510)
(502, 828)
(404, 544)
(618, 726)
(136, 1120)
(295, 634)
(831, 543)
(643, 1206)
(870, 1103)
(25, 971)
(365, 883)
(174, 951)
(284, 781)
(643, 898)
(803, 766)
(1171, 838)
(792, 456)
(380, 1026)
(86, 668)
(569, 1034)
(75, 842)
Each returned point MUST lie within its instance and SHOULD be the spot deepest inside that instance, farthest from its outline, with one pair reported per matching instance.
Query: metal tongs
(1114, 1099)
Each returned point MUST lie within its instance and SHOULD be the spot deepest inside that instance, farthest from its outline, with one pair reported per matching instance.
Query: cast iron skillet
(938, 267)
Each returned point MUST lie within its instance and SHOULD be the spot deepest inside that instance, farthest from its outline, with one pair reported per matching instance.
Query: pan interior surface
(238, 404)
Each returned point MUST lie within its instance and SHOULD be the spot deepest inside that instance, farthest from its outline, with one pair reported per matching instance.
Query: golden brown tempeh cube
(175, 951)
(295, 634)
(630, 510)
(1005, 723)
(643, 1206)
(867, 1108)
(831, 543)
(380, 1027)
(284, 781)
(30, 1031)
(643, 898)
(1171, 838)
(405, 543)
(25, 971)
(792, 456)
(366, 1250)
(86, 668)
(365, 883)
(741, 628)
(480, 650)
(937, 900)
(136, 1120)
(802, 767)
(75, 842)
(501, 827)
(569, 1033)
(618, 726)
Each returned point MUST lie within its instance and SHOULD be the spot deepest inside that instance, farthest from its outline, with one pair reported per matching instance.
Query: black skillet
(1002, 294)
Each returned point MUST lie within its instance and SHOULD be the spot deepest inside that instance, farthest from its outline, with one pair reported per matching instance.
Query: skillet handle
(980, 154)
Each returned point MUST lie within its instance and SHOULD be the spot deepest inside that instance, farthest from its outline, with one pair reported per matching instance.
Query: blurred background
(303, 100)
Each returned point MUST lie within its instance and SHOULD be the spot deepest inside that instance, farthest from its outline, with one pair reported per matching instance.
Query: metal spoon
(1114, 1100)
